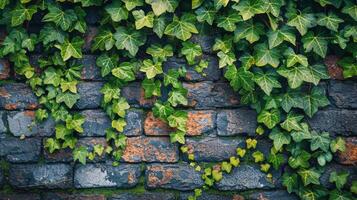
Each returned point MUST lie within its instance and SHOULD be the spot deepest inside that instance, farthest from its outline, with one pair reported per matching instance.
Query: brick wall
(217, 125)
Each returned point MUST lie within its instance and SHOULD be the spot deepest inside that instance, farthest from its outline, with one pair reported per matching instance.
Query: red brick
(334, 70)
(349, 156)
(155, 126)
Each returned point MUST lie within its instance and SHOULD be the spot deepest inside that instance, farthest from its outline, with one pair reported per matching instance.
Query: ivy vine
(271, 52)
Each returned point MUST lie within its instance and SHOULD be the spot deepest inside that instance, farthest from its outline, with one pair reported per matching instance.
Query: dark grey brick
(272, 195)
(134, 122)
(68, 196)
(62, 155)
(2, 179)
(23, 123)
(3, 128)
(205, 41)
(343, 93)
(20, 196)
(213, 148)
(332, 167)
(144, 196)
(106, 175)
(206, 196)
(4, 69)
(207, 94)
(172, 176)
(48, 176)
(16, 96)
(245, 177)
(236, 122)
(97, 121)
(134, 94)
(17, 151)
(212, 72)
(341, 122)
(90, 71)
(90, 96)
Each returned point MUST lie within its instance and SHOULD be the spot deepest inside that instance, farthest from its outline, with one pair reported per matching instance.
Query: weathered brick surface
(90, 142)
(41, 176)
(336, 121)
(90, 71)
(4, 69)
(245, 177)
(332, 167)
(212, 71)
(343, 93)
(135, 95)
(236, 122)
(213, 148)
(20, 196)
(2, 178)
(272, 195)
(205, 41)
(65, 196)
(15, 150)
(150, 149)
(134, 122)
(144, 196)
(198, 122)
(3, 127)
(62, 155)
(349, 156)
(106, 175)
(23, 123)
(97, 121)
(211, 95)
(14, 96)
(90, 96)
(206, 196)
(172, 176)
(334, 70)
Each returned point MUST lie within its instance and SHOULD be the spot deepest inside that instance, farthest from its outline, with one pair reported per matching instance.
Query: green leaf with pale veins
(103, 41)
(311, 102)
(300, 159)
(129, 39)
(338, 144)
(249, 31)
(349, 66)
(80, 154)
(339, 178)
(316, 43)
(302, 21)
(178, 120)
(269, 118)
(279, 138)
(191, 51)
(205, 15)
(142, 20)
(330, 21)
(309, 176)
(295, 75)
(240, 78)
(162, 110)
(178, 96)
(86, 3)
(50, 34)
(264, 56)
(131, 4)
(181, 29)
(266, 81)
(291, 100)
(160, 53)
(226, 58)
(228, 22)
(3, 3)
(290, 181)
(303, 134)
(292, 122)
(151, 87)
(248, 8)
(68, 98)
(275, 38)
(106, 63)
(21, 13)
(292, 58)
(116, 11)
(125, 71)
(151, 69)
(161, 6)
(71, 49)
(351, 9)
(160, 24)
(274, 7)
(320, 141)
(52, 145)
(52, 77)
(220, 3)
(64, 19)
(120, 106)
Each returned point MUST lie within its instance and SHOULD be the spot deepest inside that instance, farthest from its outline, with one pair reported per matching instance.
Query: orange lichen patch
(131, 178)
(29, 114)
(4, 93)
(197, 121)
(349, 156)
(133, 149)
(234, 100)
(237, 197)
(32, 106)
(164, 175)
(155, 126)
(144, 101)
(334, 70)
(11, 106)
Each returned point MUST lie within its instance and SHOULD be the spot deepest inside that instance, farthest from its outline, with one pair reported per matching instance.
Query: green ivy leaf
(311, 102)
(248, 8)
(340, 195)
(264, 56)
(206, 15)
(125, 71)
(316, 43)
(80, 154)
(110, 92)
(129, 39)
(227, 167)
(181, 29)
(106, 63)
(162, 110)
(309, 176)
(161, 6)
(240, 78)
(295, 75)
(290, 181)
(52, 145)
(338, 144)
(120, 106)
(3, 3)
(71, 49)
(142, 20)
(75, 122)
(68, 98)
(349, 67)
(64, 19)
(266, 81)
(302, 134)
(248, 30)
(292, 122)
(330, 21)
(21, 13)
(177, 136)
(320, 141)
(151, 69)
(50, 34)
(116, 11)
(302, 21)
(269, 118)
(350, 9)
(160, 53)
(160, 24)
(62, 132)
(151, 87)
(103, 41)
(171, 77)
(279, 137)
(300, 159)
(228, 22)
(178, 120)
(292, 58)
(52, 77)
(191, 51)
(178, 96)
(119, 125)
(276, 159)
(275, 38)
(131, 4)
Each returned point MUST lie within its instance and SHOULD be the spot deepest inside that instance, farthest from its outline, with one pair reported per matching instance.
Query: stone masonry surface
(217, 124)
